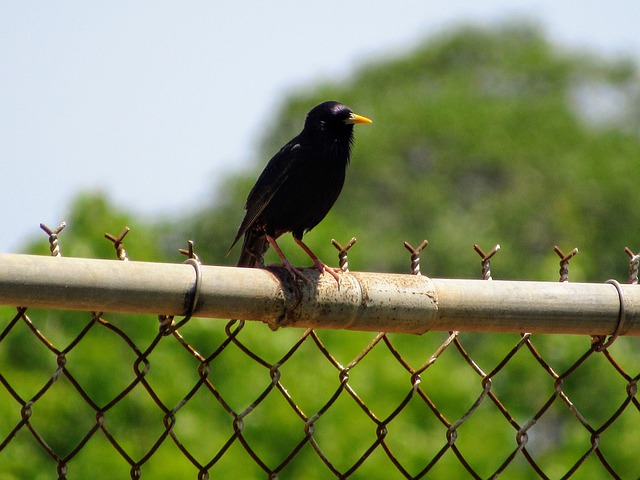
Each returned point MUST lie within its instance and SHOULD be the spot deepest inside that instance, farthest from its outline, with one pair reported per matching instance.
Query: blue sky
(155, 102)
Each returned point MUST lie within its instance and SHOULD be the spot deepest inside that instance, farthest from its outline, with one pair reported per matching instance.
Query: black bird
(299, 186)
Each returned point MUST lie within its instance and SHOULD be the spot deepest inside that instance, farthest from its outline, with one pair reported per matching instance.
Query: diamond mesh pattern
(239, 398)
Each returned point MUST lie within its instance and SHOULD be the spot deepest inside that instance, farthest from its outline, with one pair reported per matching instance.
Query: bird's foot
(323, 267)
(317, 263)
(296, 272)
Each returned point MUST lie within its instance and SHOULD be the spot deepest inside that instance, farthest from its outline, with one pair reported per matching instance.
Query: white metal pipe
(364, 301)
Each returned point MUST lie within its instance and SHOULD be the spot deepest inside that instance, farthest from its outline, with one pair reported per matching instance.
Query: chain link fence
(96, 395)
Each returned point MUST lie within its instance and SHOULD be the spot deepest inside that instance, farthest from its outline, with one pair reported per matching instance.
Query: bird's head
(333, 117)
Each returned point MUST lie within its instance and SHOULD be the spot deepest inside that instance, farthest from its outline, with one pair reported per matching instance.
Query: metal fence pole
(363, 301)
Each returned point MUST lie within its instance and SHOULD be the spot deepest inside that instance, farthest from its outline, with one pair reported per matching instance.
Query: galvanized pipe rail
(363, 301)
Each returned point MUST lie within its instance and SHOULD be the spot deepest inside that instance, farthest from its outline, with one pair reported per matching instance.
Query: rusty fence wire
(98, 395)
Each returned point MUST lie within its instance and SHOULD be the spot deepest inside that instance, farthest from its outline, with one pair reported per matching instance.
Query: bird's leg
(285, 261)
(317, 263)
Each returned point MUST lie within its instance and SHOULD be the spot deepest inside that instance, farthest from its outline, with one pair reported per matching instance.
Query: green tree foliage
(480, 136)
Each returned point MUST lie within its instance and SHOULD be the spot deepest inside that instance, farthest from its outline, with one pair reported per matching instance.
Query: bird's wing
(271, 179)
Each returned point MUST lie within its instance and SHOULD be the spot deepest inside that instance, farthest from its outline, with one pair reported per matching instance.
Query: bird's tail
(254, 247)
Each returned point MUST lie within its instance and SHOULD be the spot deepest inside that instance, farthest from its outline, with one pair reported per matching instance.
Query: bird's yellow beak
(353, 119)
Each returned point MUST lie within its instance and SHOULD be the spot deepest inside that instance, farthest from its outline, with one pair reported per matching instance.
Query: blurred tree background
(480, 135)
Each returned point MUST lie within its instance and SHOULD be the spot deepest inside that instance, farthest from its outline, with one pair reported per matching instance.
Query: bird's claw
(323, 267)
(296, 272)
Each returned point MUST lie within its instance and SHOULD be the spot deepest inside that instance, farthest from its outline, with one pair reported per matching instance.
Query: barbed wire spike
(121, 253)
(54, 246)
(415, 255)
(486, 260)
(190, 251)
(564, 262)
(634, 261)
(342, 253)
